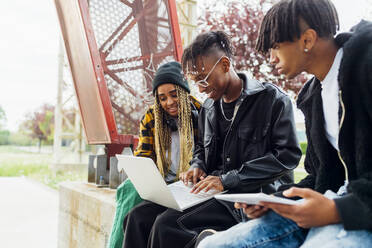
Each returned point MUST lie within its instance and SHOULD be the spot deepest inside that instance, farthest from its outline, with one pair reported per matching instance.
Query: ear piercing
(306, 50)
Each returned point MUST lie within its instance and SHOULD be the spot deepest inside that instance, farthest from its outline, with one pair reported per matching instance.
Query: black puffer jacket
(261, 146)
(322, 162)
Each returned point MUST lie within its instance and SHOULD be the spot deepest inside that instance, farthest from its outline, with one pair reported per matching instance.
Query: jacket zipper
(341, 122)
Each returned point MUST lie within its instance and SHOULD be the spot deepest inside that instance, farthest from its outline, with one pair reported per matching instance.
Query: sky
(29, 44)
(29, 49)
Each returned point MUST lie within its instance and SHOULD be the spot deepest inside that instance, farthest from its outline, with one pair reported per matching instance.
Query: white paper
(254, 199)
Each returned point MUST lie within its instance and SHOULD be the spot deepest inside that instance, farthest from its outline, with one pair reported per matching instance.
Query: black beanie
(170, 73)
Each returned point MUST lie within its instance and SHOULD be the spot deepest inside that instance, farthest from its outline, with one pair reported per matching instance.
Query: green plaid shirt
(146, 141)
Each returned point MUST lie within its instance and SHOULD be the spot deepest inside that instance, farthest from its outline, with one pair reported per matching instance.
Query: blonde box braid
(163, 133)
(185, 129)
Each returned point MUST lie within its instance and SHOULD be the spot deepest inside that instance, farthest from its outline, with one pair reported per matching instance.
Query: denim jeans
(272, 230)
(335, 236)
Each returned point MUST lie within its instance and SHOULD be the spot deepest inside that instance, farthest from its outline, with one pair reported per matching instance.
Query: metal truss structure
(114, 48)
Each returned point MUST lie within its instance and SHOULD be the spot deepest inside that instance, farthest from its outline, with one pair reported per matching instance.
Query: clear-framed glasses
(203, 82)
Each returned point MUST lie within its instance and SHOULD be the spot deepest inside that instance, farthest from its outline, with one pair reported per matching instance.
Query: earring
(306, 50)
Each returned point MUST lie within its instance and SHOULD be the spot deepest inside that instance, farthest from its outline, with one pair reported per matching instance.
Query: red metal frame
(100, 64)
(101, 68)
(96, 60)
(176, 28)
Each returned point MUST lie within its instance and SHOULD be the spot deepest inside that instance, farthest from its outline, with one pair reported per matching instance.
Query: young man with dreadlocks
(336, 207)
(247, 143)
(167, 134)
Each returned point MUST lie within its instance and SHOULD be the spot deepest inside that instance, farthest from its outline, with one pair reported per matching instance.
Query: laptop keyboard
(182, 194)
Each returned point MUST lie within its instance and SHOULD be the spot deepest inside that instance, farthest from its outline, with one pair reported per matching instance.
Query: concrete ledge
(85, 215)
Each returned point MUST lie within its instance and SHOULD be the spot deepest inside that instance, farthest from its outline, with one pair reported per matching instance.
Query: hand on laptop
(193, 175)
(210, 182)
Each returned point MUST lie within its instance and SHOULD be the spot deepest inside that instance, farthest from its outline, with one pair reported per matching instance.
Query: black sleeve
(354, 213)
(198, 158)
(283, 156)
(308, 181)
(355, 209)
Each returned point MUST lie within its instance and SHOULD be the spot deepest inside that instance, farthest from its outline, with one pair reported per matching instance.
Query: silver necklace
(223, 113)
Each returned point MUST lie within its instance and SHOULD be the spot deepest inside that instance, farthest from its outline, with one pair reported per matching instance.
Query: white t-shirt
(330, 98)
(175, 157)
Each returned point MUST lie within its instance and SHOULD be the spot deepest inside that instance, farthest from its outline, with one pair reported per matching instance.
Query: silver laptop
(151, 186)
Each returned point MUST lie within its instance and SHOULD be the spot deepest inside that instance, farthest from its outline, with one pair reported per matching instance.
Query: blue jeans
(272, 230)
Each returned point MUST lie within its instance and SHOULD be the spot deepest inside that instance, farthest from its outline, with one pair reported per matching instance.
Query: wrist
(334, 215)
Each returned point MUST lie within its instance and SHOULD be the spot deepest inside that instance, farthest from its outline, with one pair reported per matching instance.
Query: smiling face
(168, 99)
(213, 70)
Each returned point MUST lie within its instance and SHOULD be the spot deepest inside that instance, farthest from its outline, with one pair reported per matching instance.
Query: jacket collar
(251, 86)
(310, 88)
(358, 36)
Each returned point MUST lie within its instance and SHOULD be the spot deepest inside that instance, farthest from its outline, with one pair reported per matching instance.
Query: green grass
(299, 175)
(15, 162)
(300, 172)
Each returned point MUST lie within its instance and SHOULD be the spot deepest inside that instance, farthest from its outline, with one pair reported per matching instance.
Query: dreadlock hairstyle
(282, 22)
(163, 133)
(204, 45)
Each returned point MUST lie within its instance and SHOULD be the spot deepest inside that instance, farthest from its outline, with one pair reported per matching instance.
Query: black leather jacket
(260, 149)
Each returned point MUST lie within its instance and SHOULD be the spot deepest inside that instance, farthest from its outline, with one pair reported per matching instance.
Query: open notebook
(151, 186)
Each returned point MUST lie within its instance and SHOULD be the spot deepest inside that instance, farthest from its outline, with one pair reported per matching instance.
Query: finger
(200, 187)
(240, 205)
(286, 215)
(201, 174)
(251, 209)
(258, 213)
(303, 193)
(182, 177)
(280, 208)
(211, 185)
(196, 186)
(195, 176)
(303, 224)
(188, 176)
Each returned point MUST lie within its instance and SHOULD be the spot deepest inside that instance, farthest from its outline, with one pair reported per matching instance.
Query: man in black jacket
(337, 194)
(247, 143)
(248, 135)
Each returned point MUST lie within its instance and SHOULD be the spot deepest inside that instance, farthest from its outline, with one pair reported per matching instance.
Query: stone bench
(85, 215)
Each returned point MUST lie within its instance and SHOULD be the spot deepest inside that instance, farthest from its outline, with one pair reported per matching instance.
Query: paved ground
(28, 214)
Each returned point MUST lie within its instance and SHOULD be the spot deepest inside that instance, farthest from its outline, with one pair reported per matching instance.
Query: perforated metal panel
(127, 40)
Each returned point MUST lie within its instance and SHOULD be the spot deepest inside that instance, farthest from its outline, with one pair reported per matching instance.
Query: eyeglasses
(203, 82)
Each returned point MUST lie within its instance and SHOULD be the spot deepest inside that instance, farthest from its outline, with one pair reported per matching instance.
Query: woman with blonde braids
(167, 128)
(167, 133)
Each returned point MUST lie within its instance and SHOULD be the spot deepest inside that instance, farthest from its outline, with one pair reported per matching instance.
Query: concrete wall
(85, 215)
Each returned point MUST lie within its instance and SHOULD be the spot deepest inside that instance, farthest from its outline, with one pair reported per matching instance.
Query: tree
(40, 124)
(241, 20)
(2, 118)
(4, 134)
